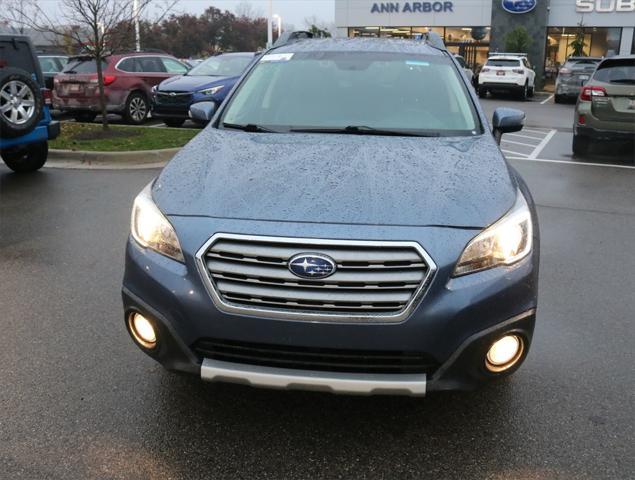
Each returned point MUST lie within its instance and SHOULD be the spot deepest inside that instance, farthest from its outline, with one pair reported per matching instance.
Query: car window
(619, 71)
(404, 92)
(503, 62)
(150, 65)
(172, 66)
(128, 65)
(18, 54)
(461, 61)
(83, 65)
(222, 66)
(49, 65)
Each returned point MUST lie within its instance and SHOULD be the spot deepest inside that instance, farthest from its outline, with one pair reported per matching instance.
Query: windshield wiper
(248, 127)
(365, 130)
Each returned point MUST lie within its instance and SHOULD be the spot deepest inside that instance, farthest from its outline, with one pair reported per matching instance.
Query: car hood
(186, 83)
(327, 178)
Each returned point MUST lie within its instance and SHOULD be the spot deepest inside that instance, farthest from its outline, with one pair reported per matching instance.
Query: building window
(597, 42)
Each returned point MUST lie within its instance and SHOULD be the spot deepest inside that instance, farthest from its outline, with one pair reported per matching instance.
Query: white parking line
(546, 100)
(514, 153)
(542, 144)
(535, 130)
(570, 162)
(524, 135)
(158, 125)
(532, 145)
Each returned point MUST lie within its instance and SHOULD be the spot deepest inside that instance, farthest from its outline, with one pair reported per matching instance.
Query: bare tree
(246, 10)
(15, 13)
(95, 26)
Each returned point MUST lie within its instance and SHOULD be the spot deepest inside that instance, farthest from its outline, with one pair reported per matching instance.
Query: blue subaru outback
(25, 121)
(345, 223)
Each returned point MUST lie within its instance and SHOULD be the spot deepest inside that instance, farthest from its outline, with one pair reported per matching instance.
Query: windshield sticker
(277, 57)
(418, 63)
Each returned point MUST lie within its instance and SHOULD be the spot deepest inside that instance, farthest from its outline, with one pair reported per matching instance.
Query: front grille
(374, 280)
(173, 98)
(321, 359)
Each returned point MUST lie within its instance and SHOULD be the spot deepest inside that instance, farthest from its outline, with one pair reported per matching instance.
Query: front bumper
(455, 324)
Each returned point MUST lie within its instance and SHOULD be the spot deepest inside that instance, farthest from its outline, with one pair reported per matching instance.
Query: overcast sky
(292, 11)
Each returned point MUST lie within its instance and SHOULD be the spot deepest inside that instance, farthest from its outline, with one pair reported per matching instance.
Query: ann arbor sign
(412, 7)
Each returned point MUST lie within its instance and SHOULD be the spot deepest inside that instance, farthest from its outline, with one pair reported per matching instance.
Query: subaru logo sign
(519, 6)
(312, 265)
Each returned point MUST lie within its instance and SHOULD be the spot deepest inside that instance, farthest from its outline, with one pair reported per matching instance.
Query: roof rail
(507, 54)
(290, 37)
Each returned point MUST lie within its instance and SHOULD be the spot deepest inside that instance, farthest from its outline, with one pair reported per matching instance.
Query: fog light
(142, 330)
(504, 353)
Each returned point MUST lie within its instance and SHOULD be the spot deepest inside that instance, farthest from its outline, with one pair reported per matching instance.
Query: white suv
(508, 72)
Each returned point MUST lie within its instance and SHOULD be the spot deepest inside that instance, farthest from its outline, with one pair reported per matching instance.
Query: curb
(137, 158)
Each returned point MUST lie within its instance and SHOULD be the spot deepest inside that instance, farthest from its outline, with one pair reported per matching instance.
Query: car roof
(387, 45)
(505, 57)
(237, 54)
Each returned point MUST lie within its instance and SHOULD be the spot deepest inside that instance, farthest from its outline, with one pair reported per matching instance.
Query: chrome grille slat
(334, 286)
(340, 277)
(374, 281)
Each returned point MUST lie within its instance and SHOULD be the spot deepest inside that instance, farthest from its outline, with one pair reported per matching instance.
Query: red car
(128, 81)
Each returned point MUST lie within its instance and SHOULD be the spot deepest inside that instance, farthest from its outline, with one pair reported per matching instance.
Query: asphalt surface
(79, 401)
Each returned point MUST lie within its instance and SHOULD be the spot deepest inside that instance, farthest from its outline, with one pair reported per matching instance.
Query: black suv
(25, 120)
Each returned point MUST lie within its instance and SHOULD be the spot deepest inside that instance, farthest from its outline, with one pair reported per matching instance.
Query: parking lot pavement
(79, 401)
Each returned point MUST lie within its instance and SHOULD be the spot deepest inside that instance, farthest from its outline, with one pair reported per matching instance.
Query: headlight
(505, 242)
(212, 91)
(151, 229)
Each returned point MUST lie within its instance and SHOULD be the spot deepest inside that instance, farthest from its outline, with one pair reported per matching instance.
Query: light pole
(270, 25)
(279, 20)
(135, 14)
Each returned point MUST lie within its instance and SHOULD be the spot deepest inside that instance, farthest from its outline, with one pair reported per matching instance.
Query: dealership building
(475, 28)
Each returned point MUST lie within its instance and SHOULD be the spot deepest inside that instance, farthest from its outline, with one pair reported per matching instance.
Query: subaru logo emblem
(519, 6)
(172, 94)
(312, 265)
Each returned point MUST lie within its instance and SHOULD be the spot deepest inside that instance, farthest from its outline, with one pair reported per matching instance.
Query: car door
(151, 71)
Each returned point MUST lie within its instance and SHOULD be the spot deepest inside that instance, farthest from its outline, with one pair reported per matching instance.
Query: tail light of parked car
(588, 93)
(518, 70)
(108, 79)
(485, 69)
(48, 96)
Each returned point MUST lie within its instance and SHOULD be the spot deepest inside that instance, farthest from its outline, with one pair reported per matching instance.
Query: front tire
(27, 159)
(557, 98)
(524, 93)
(174, 122)
(581, 145)
(482, 92)
(137, 109)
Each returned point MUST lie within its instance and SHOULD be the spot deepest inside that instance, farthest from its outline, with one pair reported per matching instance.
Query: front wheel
(531, 92)
(174, 122)
(137, 109)
(27, 159)
(524, 93)
(482, 93)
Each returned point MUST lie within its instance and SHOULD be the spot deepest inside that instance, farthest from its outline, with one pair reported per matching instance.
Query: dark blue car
(211, 80)
(346, 222)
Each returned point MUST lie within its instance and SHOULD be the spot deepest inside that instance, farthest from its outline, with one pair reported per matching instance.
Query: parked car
(507, 73)
(210, 81)
(605, 110)
(25, 120)
(51, 66)
(128, 81)
(466, 69)
(347, 222)
(575, 72)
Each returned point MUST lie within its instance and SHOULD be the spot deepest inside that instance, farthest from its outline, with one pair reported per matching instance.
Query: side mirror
(507, 120)
(203, 111)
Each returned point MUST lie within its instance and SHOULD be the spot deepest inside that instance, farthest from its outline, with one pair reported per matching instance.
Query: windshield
(503, 62)
(222, 66)
(358, 92)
